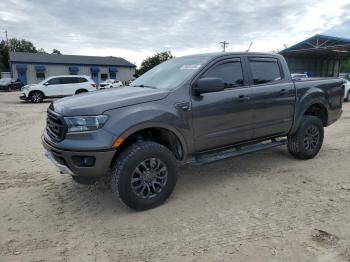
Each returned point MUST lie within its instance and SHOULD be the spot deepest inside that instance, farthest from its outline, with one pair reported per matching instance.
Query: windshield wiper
(153, 87)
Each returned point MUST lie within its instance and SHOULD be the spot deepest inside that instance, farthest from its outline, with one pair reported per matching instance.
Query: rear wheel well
(161, 136)
(319, 111)
(82, 90)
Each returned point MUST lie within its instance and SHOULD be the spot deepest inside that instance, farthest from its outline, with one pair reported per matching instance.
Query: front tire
(36, 97)
(307, 141)
(347, 99)
(144, 175)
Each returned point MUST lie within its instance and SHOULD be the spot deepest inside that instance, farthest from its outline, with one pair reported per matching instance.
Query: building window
(73, 70)
(40, 75)
(104, 77)
(112, 75)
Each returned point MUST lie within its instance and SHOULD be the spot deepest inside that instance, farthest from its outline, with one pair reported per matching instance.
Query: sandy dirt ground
(265, 206)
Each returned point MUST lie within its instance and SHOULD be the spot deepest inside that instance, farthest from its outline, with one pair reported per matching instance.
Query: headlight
(85, 123)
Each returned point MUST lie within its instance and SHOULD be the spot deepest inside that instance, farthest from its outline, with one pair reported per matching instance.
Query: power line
(224, 44)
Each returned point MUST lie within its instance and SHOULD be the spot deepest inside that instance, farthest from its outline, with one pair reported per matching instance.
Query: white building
(31, 68)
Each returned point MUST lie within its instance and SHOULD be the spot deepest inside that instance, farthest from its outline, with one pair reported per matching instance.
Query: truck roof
(221, 54)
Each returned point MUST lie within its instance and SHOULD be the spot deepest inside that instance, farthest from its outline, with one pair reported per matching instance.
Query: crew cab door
(273, 97)
(224, 117)
(53, 87)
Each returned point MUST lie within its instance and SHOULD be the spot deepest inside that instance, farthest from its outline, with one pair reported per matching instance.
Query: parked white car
(297, 76)
(110, 83)
(347, 90)
(57, 86)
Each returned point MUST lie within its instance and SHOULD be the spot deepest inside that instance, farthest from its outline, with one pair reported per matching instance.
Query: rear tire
(36, 97)
(85, 180)
(347, 99)
(144, 175)
(307, 141)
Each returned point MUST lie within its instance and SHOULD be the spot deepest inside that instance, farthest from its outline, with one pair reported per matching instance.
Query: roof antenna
(251, 43)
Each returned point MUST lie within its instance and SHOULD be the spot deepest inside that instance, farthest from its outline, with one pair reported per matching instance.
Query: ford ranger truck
(189, 110)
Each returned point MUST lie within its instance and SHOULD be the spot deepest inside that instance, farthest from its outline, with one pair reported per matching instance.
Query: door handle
(284, 91)
(184, 106)
(243, 98)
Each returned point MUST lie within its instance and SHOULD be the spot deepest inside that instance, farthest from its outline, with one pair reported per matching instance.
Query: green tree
(154, 60)
(41, 50)
(4, 56)
(22, 45)
(14, 45)
(56, 52)
(345, 66)
(18, 45)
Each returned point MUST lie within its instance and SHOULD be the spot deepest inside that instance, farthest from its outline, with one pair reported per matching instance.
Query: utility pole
(224, 44)
(6, 38)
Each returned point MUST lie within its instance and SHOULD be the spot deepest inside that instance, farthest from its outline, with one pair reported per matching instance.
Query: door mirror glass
(209, 85)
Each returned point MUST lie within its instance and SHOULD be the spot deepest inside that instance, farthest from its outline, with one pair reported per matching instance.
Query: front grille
(55, 125)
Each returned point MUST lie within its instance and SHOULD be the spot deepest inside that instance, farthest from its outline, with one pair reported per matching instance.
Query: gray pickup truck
(189, 110)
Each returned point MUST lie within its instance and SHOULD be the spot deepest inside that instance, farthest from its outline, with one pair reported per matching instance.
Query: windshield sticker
(190, 67)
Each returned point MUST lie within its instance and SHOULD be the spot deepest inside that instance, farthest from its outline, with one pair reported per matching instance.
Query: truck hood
(95, 103)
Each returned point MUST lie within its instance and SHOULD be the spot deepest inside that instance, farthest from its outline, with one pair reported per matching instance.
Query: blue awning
(113, 70)
(40, 68)
(73, 69)
(94, 69)
(22, 68)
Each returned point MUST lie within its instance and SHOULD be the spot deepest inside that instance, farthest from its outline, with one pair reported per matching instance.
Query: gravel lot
(265, 206)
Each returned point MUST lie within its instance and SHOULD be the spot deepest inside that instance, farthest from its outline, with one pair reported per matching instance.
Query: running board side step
(209, 157)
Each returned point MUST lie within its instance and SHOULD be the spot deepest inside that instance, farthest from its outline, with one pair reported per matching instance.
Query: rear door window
(82, 80)
(264, 71)
(69, 80)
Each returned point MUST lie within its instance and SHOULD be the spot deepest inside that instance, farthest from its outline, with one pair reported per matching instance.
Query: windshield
(169, 74)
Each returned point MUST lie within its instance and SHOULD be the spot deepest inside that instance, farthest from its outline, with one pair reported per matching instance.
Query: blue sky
(135, 29)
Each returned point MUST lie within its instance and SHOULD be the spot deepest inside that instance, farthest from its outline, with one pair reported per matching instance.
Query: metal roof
(320, 45)
(42, 58)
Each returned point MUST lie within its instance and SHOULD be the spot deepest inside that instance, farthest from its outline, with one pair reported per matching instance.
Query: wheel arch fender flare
(146, 125)
(315, 96)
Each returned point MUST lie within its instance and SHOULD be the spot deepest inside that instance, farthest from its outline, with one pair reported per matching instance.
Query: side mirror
(209, 85)
(46, 84)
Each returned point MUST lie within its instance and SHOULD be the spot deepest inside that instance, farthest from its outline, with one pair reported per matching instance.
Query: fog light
(88, 161)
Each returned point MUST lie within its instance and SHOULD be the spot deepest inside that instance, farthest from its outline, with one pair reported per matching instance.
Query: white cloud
(137, 29)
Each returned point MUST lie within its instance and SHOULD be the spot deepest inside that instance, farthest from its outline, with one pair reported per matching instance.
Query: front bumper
(23, 96)
(67, 163)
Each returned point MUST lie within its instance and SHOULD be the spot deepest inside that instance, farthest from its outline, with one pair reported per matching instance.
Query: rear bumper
(334, 116)
(68, 162)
